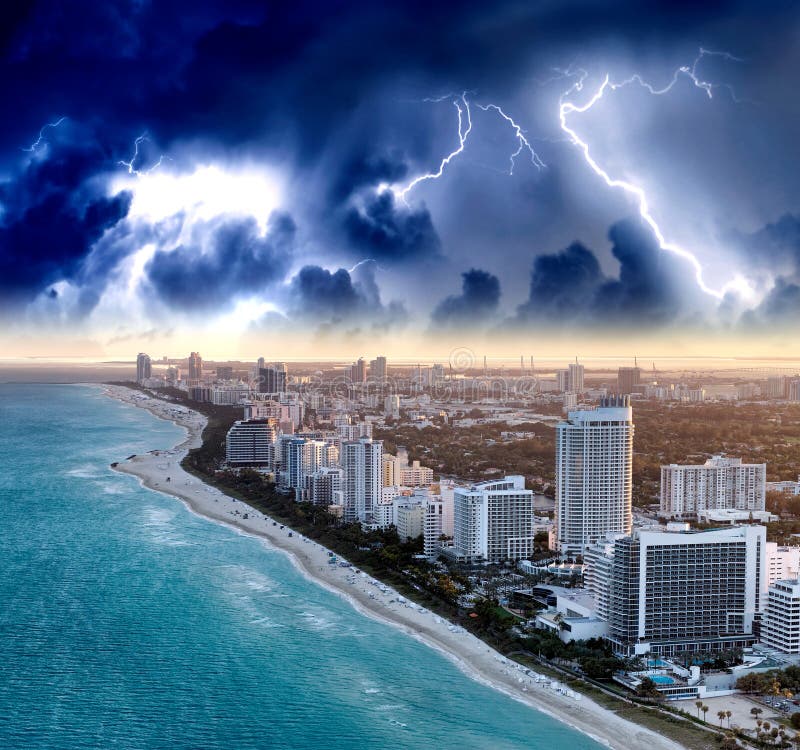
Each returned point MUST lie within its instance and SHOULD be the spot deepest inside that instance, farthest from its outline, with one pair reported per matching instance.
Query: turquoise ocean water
(127, 622)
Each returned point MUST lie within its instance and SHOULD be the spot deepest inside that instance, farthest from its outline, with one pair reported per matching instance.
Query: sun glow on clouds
(203, 194)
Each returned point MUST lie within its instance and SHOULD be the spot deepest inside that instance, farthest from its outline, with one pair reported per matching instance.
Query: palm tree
(728, 715)
(698, 705)
(704, 709)
(721, 717)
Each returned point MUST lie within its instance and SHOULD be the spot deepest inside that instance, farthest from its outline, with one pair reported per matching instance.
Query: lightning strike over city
(344, 344)
(568, 107)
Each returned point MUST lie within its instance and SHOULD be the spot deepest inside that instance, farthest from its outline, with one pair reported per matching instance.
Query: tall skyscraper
(594, 462)
(668, 592)
(195, 366)
(361, 481)
(377, 369)
(493, 521)
(627, 380)
(719, 483)
(143, 367)
(358, 371)
(272, 379)
(575, 378)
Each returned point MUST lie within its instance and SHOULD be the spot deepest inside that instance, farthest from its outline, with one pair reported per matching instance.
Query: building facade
(718, 484)
(143, 367)
(594, 463)
(361, 482)
(493, 521)
(668, 592)
(251, 443)
(780, 626)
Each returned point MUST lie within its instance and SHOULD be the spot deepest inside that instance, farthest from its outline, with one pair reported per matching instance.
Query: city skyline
(603, 177)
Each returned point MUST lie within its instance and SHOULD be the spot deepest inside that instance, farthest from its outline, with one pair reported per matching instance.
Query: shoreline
(161, 471)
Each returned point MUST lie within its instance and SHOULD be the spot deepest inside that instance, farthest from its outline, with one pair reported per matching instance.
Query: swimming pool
(662, 679)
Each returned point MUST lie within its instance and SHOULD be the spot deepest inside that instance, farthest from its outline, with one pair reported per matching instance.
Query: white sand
(372, 598)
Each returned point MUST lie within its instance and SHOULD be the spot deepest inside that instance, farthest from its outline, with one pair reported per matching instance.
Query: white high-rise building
(251, 443)
(439, 517)
(594, 463)
(719, 483)
(361, 484)
(575, 378)
(780, 626)
(493, 521)
(391, 406)
(301, 458)
(667, 592)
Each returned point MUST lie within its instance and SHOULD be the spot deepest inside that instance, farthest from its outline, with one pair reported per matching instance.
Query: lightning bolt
(462, 105)
(567, 108)
(38, 142)
(130, 164)
(524, 143)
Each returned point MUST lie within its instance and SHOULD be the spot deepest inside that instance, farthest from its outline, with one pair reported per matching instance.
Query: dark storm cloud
(237, 262)
(775, 247)
(320, 87)
(781, 305)
(570, 286)
(389, 231)
(322, 296)
(52, 213)
(479, 299)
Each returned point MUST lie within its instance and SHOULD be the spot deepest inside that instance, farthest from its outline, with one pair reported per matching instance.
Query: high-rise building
(493, 521)
(251, 443)
(361, 481)
(391, 406)
(562, 380)
(272, 379)
(143, 367)
(322, 486)
(410, 519)
(377, 369)
(224, 372)
(575, 378)
(719, 483)
(628, 378)
(793, 391)
(594, 462)
(301, 458)
(669, 592)
(358, 371)
(439, 517)
(195, 366)
(780, 626)
(776, 386)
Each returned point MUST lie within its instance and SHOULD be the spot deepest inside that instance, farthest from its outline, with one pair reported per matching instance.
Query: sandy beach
(372, 597)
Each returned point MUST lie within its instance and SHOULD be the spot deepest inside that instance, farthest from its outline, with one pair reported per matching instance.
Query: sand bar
(371, 597)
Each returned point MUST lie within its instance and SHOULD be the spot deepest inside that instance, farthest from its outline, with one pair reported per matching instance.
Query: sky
(335, 179)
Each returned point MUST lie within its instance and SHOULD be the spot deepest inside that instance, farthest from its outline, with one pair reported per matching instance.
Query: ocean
(128, 622)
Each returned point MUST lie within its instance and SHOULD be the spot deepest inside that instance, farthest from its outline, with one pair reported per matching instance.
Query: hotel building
(668, 592)
(594, 461)
(493, 521)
